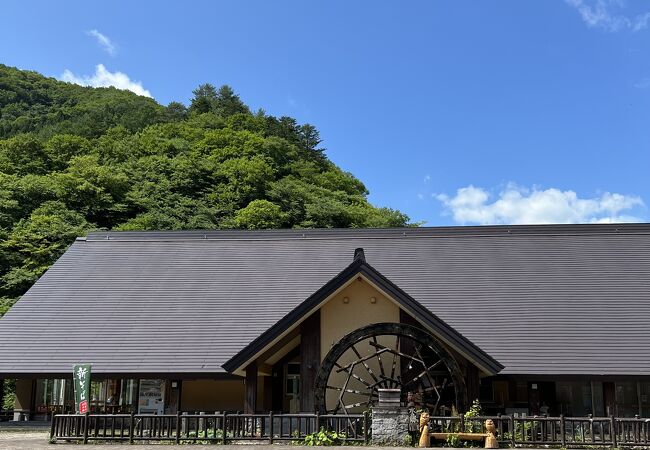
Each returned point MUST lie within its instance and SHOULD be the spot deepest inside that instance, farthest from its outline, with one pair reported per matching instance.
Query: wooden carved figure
(490, 437)
(425, 438)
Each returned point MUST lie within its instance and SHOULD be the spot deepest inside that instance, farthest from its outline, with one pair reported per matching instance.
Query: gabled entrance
(332, 318)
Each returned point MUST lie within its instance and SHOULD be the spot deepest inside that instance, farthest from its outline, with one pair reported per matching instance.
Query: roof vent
(359, 254)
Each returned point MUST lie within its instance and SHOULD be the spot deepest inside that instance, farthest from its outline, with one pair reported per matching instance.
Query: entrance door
(293, 387)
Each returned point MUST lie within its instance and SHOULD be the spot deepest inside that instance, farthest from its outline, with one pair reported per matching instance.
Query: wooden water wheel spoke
(394, 366)
(356, 352)
(426, 370)
(351, 391)
(353, 405)
(381, 365)
(361, 360)
(397, 353)
(356, 377)
(384, 382)
(347, 380)
(343, 386)
(423, 373)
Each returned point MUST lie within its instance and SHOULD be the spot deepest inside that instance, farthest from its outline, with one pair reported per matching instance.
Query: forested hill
(74, 159)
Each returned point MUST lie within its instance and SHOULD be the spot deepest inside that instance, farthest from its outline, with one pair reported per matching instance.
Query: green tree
(228, 103)
(204, 99)
(36, 242)
(77, 158)
(260, 214)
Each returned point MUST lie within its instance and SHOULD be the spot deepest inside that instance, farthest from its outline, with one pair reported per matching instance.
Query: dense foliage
(74, 159)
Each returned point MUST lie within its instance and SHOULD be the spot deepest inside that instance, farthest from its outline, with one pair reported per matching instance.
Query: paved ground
(37, 440)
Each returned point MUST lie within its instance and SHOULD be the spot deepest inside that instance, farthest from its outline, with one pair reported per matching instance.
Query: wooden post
(513, 439)
(85, 441)
(472, 382)
(309, 360)
(612, 430)
(178, 426)
(250, 402)
(271, 427)
(51, 426)
(366, 431)
(131, 427)
(563, 430)
(224, 438)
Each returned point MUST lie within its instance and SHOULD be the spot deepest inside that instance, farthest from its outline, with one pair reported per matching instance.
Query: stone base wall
(390, 426)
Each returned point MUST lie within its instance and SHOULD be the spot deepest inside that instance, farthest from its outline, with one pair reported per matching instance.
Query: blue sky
(455, 112)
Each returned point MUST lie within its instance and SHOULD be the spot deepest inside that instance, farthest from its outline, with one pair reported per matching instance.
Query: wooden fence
(512, 431)
(536, 431)
(207, 428)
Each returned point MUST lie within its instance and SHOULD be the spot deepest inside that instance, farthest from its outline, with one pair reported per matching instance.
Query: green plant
(324, 437)
(474, 411)
(453, 441)
(408, 440)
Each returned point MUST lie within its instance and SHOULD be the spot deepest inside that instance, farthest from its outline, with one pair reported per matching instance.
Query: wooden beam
(472, 382)
(310, 358)
(250, 391)
(267, 403)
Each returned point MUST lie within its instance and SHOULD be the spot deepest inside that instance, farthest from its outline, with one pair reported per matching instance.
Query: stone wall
(390, 426)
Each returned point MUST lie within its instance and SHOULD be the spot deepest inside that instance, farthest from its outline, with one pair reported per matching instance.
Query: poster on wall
(81, 376)
(151, 398)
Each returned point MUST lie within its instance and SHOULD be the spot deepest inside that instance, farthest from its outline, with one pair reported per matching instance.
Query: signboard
(151, 399)
(81, 377)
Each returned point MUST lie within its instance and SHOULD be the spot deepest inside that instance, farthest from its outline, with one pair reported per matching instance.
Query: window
(51, 395)
(293, 379)
(113, 395)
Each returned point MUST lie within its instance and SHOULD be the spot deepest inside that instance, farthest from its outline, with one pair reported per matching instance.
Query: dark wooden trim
(310, 358)
(472, 382)
(180, 395)
(250, 394)
(360, 266)
(456, 340)
(292, 317)
(128, 375)
(267, 401)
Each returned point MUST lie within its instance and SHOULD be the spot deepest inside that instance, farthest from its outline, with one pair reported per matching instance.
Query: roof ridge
(389, 233)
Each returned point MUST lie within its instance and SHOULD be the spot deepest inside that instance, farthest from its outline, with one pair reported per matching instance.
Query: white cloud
(427, 178)
(601, 14)
(105, 78)
(103, 41)
(517, 205)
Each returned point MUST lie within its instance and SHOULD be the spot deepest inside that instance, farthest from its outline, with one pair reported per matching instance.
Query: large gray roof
(558, 299)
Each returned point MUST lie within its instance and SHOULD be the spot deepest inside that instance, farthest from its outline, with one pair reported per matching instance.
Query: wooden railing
(208, 428)
(554, 431)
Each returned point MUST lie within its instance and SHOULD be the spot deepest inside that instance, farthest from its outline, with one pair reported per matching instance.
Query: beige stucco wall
(212, 395)
(339, 318)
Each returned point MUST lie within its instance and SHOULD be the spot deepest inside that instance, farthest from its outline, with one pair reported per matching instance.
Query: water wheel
(388, 355)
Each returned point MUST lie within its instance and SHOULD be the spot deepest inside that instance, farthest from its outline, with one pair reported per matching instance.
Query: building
(532, 319)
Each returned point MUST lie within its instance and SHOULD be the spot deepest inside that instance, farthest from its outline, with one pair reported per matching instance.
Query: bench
(425, 437)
